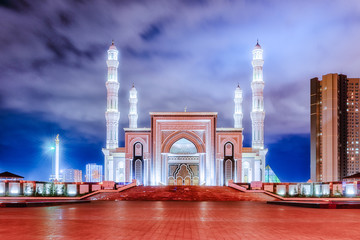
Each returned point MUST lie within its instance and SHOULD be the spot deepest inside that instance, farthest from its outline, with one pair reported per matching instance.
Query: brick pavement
(183, 193)
(178, 220)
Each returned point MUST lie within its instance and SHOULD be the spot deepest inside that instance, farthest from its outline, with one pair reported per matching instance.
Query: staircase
(182, 193)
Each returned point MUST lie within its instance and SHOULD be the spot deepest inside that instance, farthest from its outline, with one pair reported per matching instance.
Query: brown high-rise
(334, 127)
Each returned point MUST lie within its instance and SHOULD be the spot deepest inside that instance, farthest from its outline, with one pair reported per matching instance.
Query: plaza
(177, 220)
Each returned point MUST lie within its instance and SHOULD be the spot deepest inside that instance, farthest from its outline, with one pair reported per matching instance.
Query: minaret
(257, 86)
(133, 116)
(112, 114)
(238, 115)
(57, 158)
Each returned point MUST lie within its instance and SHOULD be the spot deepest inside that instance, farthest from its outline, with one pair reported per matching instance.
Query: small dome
(257, 46)
(238, 87)
(133, 89)
(112, 46)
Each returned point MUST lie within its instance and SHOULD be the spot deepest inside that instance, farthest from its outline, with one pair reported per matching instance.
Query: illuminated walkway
(177, 220)
(183, 193)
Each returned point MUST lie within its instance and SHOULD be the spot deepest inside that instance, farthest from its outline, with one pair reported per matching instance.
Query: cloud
(178, 53)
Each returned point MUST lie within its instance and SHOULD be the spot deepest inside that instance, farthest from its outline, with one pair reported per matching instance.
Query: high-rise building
(94, 172)
(71, 175)
(334, 113)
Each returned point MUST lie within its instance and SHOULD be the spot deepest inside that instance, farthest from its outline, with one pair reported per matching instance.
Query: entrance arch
(190, 136)
(182, 162)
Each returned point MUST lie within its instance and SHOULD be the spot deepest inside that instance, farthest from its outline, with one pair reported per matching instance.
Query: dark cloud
(19, 6)
(149, 54)
(153, 31)
(65, 18)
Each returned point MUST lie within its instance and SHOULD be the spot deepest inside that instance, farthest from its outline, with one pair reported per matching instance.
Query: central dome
(183, 146)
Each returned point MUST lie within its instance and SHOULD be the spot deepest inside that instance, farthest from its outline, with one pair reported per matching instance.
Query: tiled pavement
(183, 193)
(178, 220)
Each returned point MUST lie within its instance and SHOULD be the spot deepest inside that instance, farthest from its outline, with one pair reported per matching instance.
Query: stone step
(182, 193)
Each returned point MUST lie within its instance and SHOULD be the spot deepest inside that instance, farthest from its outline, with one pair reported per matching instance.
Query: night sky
(178, 53)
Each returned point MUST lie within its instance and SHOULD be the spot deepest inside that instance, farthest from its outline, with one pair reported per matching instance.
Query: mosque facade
(184, 148)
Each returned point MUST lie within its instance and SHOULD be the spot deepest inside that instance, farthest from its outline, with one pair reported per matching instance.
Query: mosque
(184, 148)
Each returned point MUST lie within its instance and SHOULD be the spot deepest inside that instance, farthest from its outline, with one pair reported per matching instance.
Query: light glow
(14, 191)
(2, 188)
(350, 190)
(281, 190)
(317, 190)
(292, 190)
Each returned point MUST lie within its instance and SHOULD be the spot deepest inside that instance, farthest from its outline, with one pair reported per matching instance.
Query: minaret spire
(133, 115)
(257, 86)
(238, 115)
(112, 113)
(57, 158)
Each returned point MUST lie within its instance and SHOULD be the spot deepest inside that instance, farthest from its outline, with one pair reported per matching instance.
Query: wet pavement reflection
(177, 220)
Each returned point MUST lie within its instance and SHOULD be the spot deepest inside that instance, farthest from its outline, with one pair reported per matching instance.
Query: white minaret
(57, 158)
(112, 113)
(238, 115)
(133, 116)
(257, 86)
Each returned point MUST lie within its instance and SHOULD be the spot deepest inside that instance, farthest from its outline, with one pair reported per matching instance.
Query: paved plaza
(177, 220)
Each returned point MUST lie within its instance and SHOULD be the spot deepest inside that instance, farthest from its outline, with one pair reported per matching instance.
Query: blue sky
(178, 53)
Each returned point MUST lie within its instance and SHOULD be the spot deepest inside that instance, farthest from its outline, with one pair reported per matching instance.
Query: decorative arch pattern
(174, 137)
(140, 140)
(226, 140)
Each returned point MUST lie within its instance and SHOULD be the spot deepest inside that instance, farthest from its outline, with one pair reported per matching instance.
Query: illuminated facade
(133, 116)
(94, 172)
(257, 86)
(334, 127)
(72, 175)
(187, 148)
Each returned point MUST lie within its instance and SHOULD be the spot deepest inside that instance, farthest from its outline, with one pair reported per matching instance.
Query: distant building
(94, 172)
(334, 127)
(352, 178)
(10, 176)
(270, 176)
(72, 175)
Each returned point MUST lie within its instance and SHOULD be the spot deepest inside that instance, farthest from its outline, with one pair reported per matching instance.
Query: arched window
(139, 171)
(228, 170)
(138, 150)
(228, 167)
(138, 163)
(228, 149)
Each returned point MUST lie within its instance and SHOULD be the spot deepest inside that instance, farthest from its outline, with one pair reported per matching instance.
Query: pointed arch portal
(183, 163)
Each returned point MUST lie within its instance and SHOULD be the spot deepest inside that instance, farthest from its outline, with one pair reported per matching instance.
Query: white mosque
(184, 148)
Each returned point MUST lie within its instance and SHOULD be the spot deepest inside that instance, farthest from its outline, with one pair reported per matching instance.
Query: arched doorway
(229, 165)
(183, 163)
(138, 163)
